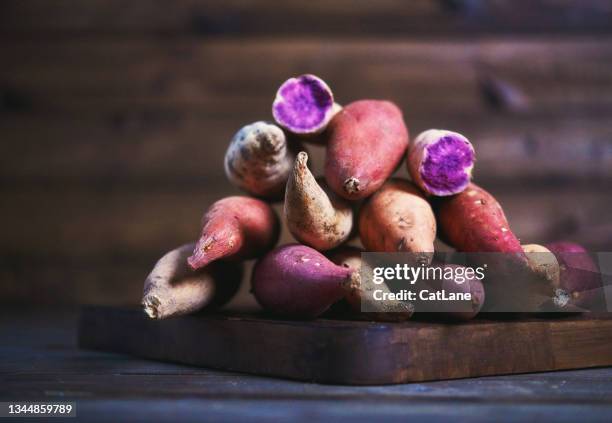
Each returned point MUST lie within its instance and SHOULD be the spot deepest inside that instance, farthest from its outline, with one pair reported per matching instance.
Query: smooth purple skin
(444, 169)
(303, 105)
(579, 276)
(295, 280)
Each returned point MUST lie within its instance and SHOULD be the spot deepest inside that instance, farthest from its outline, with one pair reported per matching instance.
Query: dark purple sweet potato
(579, 277)
(298, 281)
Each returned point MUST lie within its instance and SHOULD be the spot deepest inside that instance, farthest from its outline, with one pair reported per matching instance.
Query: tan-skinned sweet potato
(173, 288)
(315, 216)
(398, 218)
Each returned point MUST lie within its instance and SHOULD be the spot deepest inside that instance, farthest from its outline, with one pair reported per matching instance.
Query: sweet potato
(360, 297)
(303, 105)
(468, 283)
(398, 218)
(440, 162)
(315, 216)
(259, 161)
(579, 277)
(544, 263)
(366, 142)
(298, 281)
(235, 228)
(173, 288)
(473, 221)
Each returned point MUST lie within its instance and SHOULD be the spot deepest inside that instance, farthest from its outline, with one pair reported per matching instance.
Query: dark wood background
(115, 115)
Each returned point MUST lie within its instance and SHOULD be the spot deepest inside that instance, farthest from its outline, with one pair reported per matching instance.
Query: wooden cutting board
(351, 352)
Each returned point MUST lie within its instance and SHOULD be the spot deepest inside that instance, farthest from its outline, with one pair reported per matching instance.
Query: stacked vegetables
(365, 143)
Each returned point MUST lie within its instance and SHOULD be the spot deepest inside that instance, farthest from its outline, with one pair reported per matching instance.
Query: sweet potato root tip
(440, 162)
(172, 288)
(235, 228)
(295, 280)
(398, 218)
(304, 105)
(258, 160)
(366, 142)
(360, 297)
(315, 215)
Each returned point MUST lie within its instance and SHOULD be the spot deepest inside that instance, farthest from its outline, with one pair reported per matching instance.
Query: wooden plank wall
(115, 115)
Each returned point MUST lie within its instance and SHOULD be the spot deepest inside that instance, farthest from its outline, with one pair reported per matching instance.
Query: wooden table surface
(39, 361)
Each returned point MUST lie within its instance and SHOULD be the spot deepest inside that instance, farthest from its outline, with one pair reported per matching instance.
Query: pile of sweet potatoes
(365, 142)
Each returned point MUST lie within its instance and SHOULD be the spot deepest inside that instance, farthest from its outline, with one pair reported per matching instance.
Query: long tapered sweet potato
(295, 280)
(579, 277)
(440, 162)
(315, 216)
(398, 218)
(235, 228)
(259, 160)
(173, 288)
(366, 142)
(360, 296)
(473, 221)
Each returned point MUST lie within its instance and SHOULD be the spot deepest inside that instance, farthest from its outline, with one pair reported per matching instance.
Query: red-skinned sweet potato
(366, 142)
(298, 281)
(235, 228)
(398, 218)
(474, 222)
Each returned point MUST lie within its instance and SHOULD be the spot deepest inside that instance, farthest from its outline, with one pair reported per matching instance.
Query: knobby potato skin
(298, 281)
(315, 216)
(398, 218)
(259, 160)
(366, 142)
(173, 288)
(473, 221)
(358, 295)
(235, 228)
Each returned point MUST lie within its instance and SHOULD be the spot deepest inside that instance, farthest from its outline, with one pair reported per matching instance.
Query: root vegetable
(366, 142)
(398, 218)
(543, 262)
(360, 296)
(298, 281)
(303, 105)
(473, 221)
(440, 162)
(259, 161)
(579, 278)
(315, 215)
(172, 288)
(235, 228)
(468, 284)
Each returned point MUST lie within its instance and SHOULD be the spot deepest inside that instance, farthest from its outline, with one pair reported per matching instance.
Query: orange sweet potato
(398, 218)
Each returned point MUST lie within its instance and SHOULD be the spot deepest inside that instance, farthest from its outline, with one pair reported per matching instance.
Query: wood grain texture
(342, 17)
(354, 353)
(39, 359)
(236, 77)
